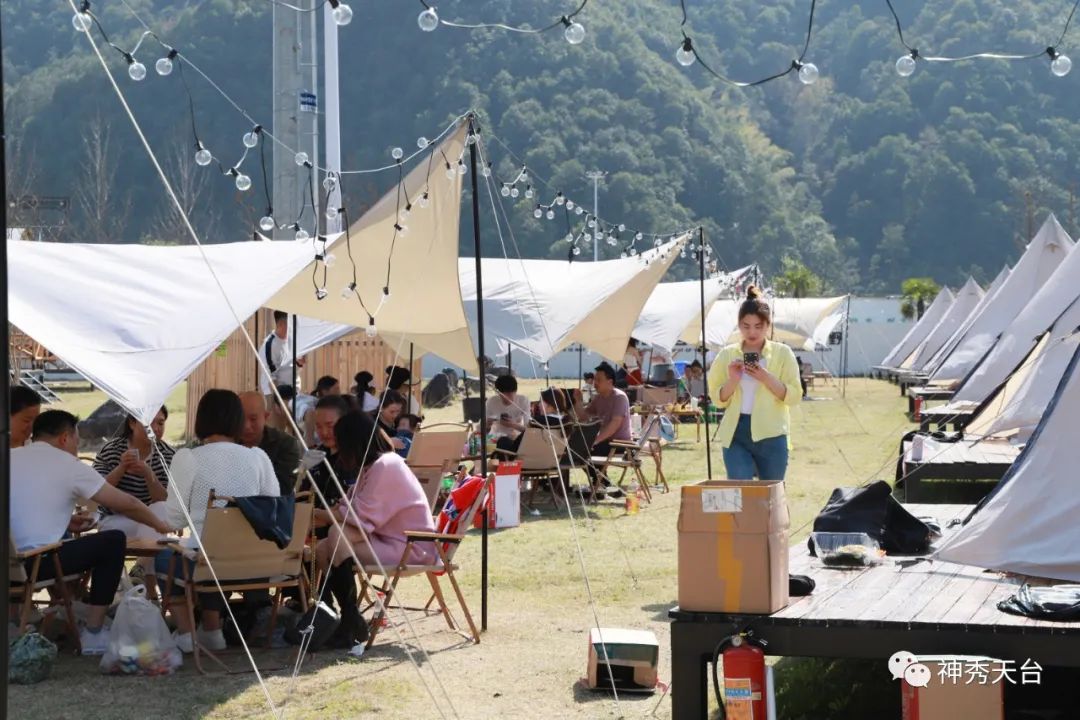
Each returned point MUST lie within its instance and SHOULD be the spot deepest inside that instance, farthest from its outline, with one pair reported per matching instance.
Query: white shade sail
(964, 307)
(1028, 524)
(1043, 310)
(544, 306)
(1041, 258)
(673, 312)
(795, 320)
(136, 320)
(919, 332)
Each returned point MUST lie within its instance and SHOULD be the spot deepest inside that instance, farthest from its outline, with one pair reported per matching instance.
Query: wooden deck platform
(956, 461)
(927, 393)
(944, 416)
(926, 608)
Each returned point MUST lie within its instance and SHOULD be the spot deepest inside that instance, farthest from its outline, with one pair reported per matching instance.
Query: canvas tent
(543, 306)
(1042, 257)
(1041, 312)
(795, 320)
(919, 332)
(1028, 523)
(964, 307)
(673, 311)
(136, 320)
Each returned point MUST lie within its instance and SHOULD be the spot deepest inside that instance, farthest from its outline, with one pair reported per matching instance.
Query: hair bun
(753, 293)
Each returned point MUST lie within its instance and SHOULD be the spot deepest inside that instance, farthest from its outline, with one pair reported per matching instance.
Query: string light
(573, 31)
(164, 66)
(266, 223)
(202, 155)
(686, 55)
(251, 139)
(1060, 64)
(341, 13)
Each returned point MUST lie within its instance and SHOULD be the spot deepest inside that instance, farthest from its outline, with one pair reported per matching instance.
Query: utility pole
(332, 118)
(295, 117)
(596, 176)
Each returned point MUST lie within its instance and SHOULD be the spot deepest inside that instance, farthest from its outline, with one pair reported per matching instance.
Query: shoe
(94, 643)
(183, 641)
(212, 640)
(615, 493)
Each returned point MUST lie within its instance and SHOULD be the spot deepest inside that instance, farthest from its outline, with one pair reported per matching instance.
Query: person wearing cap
(399, 379)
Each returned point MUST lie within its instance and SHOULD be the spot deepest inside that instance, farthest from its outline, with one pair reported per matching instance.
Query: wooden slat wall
(234, 366)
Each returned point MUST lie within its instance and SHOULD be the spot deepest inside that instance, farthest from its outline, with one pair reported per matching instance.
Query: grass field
(533, 653)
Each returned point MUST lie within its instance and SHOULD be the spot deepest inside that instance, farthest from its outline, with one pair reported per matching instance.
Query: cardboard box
(504, 503)
(733, 547)
(943, 699)
(632, 656)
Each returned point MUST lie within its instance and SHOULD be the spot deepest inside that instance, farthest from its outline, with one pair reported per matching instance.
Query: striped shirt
(110, 456)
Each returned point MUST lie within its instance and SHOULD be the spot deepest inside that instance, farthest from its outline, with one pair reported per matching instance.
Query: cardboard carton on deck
(945, 699)
(733, 549)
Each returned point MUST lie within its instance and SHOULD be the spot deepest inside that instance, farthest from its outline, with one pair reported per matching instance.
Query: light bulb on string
(405, 213)
(633, 252)
(550, 214)
(341, 13)
(386, 293)
(371, 331)
(577, 250)
(591, 223)
(328, 183)
(421, 142)
(808, 72)
(320, 293)
(424, 201)
(599, 235)
(505, 192)
(486, 170)
(348, 291)
(136, 70)
(82, 21)
(202, 155)
(612, 242)
(685, 54)
(428, 20)
(514, 192)
(623, 255)
(164, 66)
(301, 158)
(575, 31)
(529, 191)
(301, 235)
(657, 242)
(578, 210)
(243, 182)
(622, 227)
(331, 212)
(639, 236)
(266, 223)
(402, 230)
(251, 139)
(905, 66)
(1060, 65)
(462, 168)
(470, 139)
(569, 237)
(330, 259)
(569, 204)
(397, 153)
(524, 177)
(537, 212)
(451, 173)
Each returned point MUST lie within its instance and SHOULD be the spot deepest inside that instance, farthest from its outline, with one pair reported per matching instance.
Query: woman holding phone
(132, 464)
(757, 380)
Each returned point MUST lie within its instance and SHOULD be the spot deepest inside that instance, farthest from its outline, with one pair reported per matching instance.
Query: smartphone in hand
(751, 358)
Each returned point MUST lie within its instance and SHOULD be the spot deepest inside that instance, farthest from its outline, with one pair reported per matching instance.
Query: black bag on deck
(873, 510)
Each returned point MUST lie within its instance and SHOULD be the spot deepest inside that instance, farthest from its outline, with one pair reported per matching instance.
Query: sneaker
(94, 643)
(615, 493)
(183, 641)
(212, 640)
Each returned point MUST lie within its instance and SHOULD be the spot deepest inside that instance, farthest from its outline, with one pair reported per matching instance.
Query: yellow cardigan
(770, 417)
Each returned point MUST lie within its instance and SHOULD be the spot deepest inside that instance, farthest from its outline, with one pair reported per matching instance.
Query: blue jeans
(767, 459)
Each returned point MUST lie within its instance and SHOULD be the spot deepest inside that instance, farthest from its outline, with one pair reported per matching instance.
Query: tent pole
(704, 349)
(844, 350)
(5, 428)
(296, 390)
(580, 377)
(483, 376)
(411, 381)
(256, 335)
(509, 359)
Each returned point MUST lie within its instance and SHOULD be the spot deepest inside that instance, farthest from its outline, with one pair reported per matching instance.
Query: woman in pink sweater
(385, 501)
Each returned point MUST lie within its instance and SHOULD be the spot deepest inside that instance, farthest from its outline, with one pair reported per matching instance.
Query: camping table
(927, 394)
(961, 460)
(926, 608)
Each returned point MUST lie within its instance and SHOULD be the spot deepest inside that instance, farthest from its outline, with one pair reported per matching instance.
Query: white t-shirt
(225, 468)
(46, 483)
(630, 361)
(280, 362)
(517, 410)
(749, 389)
(370, 402)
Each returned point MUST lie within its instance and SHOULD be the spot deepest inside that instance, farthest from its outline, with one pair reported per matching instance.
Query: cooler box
(733, 547)
(946, 700)
(628, 658)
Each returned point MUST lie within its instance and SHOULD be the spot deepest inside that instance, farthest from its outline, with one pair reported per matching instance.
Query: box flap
(723, 506)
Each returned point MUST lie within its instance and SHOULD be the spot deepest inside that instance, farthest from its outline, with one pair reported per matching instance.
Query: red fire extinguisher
(744, 677)
(918, 409)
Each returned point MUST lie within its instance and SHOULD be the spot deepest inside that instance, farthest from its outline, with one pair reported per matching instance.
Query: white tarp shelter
(968, 299)
(1028, 523)
(920, 330)
(673, 311)
(1041, 313)
(794, 320)
(1042, 257)
(543, 306)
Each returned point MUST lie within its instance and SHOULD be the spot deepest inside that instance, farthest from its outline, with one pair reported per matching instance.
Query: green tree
(797, 280)
(915, 294)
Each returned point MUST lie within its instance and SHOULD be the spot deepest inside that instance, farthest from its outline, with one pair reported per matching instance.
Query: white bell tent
(967, 302)
(919, 332)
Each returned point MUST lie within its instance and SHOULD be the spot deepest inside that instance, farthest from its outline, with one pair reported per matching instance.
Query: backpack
(873, 510)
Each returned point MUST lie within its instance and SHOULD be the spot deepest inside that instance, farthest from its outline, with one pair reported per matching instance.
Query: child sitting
(407, 425)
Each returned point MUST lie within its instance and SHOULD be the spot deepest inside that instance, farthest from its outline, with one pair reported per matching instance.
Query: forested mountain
(866, 177)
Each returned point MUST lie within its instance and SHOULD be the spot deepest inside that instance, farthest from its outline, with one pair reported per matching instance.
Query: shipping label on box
(726, 500)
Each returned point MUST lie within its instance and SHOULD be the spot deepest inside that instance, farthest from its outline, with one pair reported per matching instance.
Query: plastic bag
(139, 640)
(31, 659)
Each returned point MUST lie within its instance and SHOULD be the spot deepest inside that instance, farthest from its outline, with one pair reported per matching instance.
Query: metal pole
(411, 381)
(580, 370)
(596, 176)
(295, 387)
(844, 350)
(509, 359)
(5, 426)
(704, 348)
(483, 377)
(332, 116)
(257, 337)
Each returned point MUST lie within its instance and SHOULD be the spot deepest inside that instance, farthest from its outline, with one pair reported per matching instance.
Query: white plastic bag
(139, 640)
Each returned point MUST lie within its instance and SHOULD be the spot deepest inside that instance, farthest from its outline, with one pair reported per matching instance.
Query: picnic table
(924, 608)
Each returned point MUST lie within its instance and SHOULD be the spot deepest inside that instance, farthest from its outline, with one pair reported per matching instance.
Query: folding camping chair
(446, 546)
(436, 452)
(540, 454)
(23, 586)
(626, 456)
(242, 562)
(658, 397)
(579, 442)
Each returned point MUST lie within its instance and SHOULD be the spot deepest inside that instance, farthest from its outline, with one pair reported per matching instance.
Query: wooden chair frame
(429, 458)
(232, 551)
(24, 585)
(446, 547)
(540, 453)
(627, 456)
